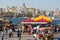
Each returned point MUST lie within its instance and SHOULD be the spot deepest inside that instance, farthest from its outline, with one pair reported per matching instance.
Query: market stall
(42, 21)
(38, 20)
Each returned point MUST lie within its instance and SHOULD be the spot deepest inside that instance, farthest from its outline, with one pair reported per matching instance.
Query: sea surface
(56, 22)
(15, 21)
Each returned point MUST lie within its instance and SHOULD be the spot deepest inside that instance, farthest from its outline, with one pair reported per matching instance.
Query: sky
(39, 4)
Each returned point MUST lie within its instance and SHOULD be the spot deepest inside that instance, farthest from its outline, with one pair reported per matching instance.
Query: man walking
(2, 34)
(19, 34)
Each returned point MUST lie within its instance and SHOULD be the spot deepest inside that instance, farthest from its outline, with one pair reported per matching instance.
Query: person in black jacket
(19, 33)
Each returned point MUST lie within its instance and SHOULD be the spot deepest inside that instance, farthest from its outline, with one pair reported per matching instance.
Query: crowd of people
(9, 32)
(22, 29)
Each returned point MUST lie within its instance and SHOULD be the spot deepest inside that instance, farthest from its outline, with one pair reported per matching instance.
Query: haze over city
(40, 4)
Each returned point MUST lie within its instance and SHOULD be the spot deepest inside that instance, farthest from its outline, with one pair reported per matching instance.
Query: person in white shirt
(35, 36)
(2, 34)
(10, 32)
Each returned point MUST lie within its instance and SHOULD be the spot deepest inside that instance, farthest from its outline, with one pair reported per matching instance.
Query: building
(25, 10)
(0, 10)
(56, 13)
(15, 11)
(42, 12)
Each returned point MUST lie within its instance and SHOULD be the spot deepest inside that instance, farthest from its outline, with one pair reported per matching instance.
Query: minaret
(24, 5)
(8, 8)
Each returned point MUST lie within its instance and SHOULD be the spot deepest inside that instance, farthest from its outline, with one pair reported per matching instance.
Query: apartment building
(57, 12)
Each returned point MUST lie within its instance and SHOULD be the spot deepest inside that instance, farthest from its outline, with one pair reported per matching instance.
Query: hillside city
(24, 11)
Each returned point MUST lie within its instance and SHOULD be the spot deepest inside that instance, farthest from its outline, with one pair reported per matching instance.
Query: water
(15, 21)
(56, 22)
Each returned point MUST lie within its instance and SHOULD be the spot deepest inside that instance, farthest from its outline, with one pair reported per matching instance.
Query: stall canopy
(43, 18)
(28, 20)
(38, 20)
